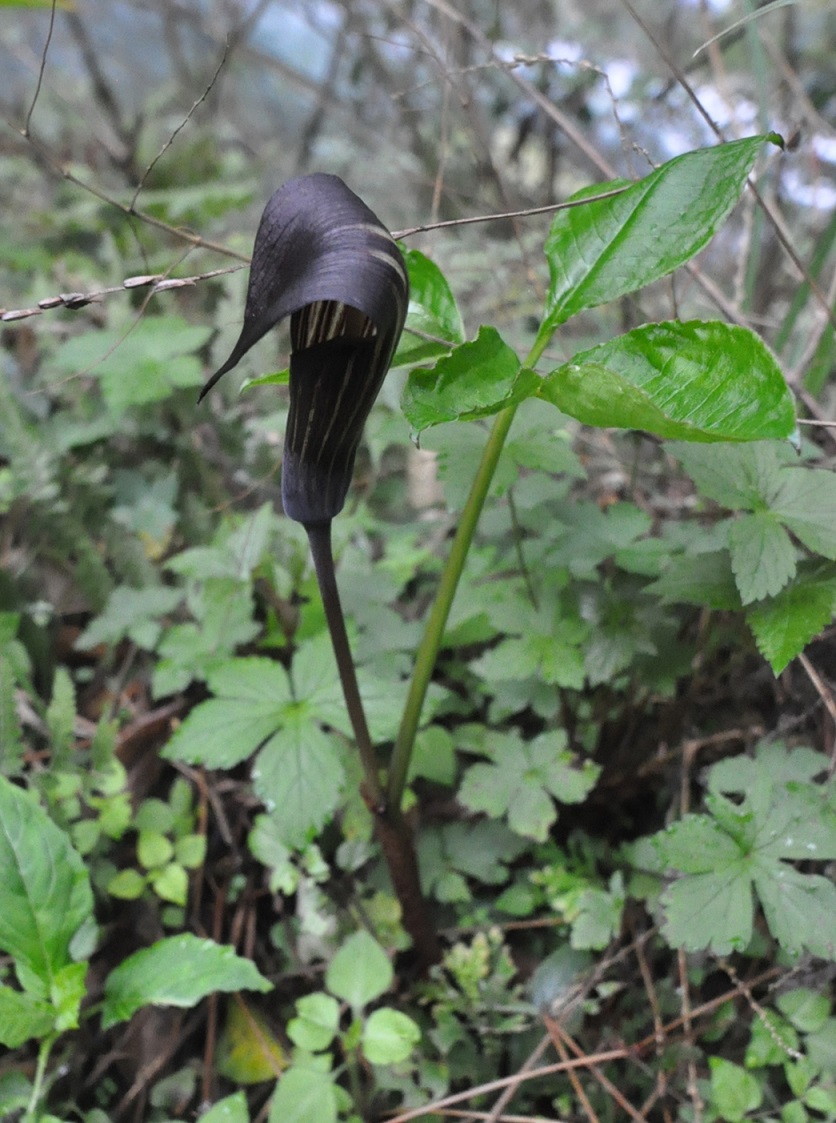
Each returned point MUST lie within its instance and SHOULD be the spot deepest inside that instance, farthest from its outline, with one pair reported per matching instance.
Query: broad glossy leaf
(699, 381)
(606, 249)
(46, 895)
(477, 379)
(178, 971)
(434, 323)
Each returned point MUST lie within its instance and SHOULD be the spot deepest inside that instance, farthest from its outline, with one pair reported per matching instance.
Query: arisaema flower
(324, 259)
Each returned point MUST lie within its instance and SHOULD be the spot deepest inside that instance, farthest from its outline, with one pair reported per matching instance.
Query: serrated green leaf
(360, 971)
(475, 380)
(132, 614)
(763, 557)
(22, 1016)
(778, 814)
(807, 1009)
(525, 781)
(699, 579)
(806, 503)
(696, 844)
(695, 380)
(389, 1037)
(606, 249)
(710, 910)
(140, 366)
(222, 732)
(47, 896)
(299, 776)
(799, 908)
(784, 625)
(737, 476)
(178, 971)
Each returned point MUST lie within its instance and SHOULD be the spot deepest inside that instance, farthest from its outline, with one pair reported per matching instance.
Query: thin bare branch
(41, 69)
(181, 126)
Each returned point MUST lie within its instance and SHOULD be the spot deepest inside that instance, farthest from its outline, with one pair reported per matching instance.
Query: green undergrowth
(618, 816)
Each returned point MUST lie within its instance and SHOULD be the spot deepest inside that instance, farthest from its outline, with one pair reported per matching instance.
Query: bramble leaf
(784, 625)
(525, 780)
(763, 557)
(777, 814)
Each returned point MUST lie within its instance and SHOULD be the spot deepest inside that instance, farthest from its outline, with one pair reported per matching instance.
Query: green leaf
(475, 380)
(360, 971)
(304, 1095)
(389, 1037)
(46, 894)
(734, 1091)
(777, 815)
(22, 1016)
(783, 626)
(130, 614)
(231, 1109)
(248, 1050)
(525, 781)
(807, 1009)
(434, 324)
(220, 733)
(299, 776)
(762, 555)
(700, 579)
(171, 883)
(127, 885)
(316, 1022)
(741, 476)
(606, 249)
(138, 366)
(697, 380)
(178, 971)
(806, 503)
